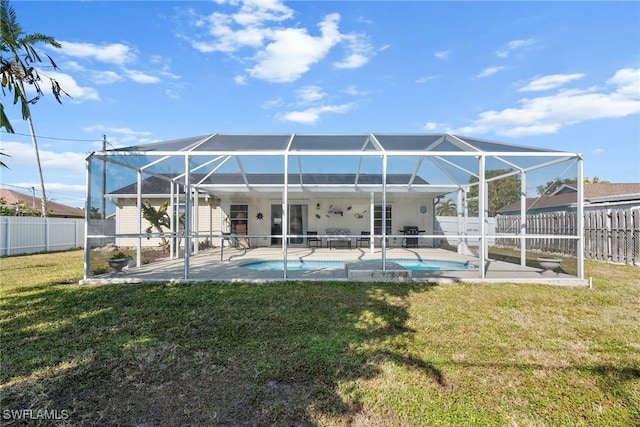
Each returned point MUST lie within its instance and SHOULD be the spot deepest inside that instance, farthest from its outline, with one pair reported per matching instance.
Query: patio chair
(363, 241)
(315, 241)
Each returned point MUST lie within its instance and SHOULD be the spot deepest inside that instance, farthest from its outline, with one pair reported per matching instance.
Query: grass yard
(325, 354)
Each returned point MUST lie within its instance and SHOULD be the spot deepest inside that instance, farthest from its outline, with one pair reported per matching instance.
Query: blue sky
(559, 75)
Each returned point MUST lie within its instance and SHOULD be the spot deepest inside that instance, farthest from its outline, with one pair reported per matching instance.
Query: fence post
(46, 234)
(7, 240)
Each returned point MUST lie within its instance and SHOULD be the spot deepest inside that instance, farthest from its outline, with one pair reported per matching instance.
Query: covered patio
(364, 199)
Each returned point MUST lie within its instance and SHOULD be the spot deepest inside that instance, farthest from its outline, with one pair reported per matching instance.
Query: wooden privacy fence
(609, 234)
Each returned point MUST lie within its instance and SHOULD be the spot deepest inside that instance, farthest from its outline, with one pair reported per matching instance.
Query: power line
(52, 137)
(16, 186)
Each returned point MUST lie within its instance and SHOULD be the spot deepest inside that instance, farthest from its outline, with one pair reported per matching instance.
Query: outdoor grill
(410, 230)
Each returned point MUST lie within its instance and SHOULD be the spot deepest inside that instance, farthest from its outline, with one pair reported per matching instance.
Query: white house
(259, 214)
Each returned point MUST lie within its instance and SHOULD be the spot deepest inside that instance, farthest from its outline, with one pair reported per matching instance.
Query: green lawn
(327, 354)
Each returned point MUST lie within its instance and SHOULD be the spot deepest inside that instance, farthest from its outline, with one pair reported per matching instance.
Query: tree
(18, 208)
(17, 68)
(500, 192)
(94, 213)
(595, 180)
(158, 218)
(446, 208)
(551, 186)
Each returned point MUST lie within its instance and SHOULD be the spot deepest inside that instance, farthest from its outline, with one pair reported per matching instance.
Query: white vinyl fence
(448, 226)
(27, 235)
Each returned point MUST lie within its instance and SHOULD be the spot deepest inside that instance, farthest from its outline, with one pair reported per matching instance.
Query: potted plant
(119, 260)
(549, 264)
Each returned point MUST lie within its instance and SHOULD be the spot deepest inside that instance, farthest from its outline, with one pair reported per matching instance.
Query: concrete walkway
(360, 265)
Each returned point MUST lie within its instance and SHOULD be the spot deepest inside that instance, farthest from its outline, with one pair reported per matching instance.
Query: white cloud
(118, 136)
(273, 103)
(309, 94)
(359, 52)
(312, 115)
(431, 126)
(106, 77)
(72, 65)
(243, 29)
(354, 91)
(170, 93)
(277, 52)
(354, 60)
(514, 45)
(442, 54)
(292, 51)
(548, 114)
(254, 12)
(489, 71)
(140, 77)
(115, 53)
(240, 80)
(23, 156)
(425, 79)
(551, 81)
(626, 81)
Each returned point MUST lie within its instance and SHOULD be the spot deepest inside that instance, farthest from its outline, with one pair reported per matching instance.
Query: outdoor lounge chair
(364, 240)
(313, 241)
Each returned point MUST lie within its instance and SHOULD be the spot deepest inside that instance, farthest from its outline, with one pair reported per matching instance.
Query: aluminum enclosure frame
(439, 149)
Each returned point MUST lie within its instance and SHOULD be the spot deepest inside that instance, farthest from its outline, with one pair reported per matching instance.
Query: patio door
(297, 223)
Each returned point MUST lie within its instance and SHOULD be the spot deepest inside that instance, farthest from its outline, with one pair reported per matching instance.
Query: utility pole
(104, 178)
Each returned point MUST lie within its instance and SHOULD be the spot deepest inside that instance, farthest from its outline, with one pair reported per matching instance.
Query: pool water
(430, 264)
(301, 265)
(296, 265)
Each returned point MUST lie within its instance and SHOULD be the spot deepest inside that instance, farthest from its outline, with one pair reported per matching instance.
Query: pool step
(371, 271)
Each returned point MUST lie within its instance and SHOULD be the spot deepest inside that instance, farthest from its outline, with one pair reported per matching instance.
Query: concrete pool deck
(361, 265)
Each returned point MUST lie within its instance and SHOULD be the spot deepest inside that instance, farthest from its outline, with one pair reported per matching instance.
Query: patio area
(359, 265)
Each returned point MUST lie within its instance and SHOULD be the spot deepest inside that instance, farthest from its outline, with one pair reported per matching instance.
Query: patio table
(335, 242)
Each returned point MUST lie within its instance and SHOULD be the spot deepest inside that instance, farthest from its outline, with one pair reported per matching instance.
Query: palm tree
(158, 218)
(17, 70)
(446, 208)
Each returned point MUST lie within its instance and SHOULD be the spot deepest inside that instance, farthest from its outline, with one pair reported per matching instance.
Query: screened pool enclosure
(368, 200)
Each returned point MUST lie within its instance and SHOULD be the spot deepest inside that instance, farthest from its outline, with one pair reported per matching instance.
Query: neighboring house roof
(157, 186)
(566, 197)
(54, 209)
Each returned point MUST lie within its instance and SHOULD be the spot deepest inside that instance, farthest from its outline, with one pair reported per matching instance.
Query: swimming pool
(409, 264)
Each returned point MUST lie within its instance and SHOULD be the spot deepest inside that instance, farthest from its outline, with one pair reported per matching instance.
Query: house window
(238, 215)
(377, 219)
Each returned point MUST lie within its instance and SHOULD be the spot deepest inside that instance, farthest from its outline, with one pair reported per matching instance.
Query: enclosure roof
(428, 163)
(330, 142)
